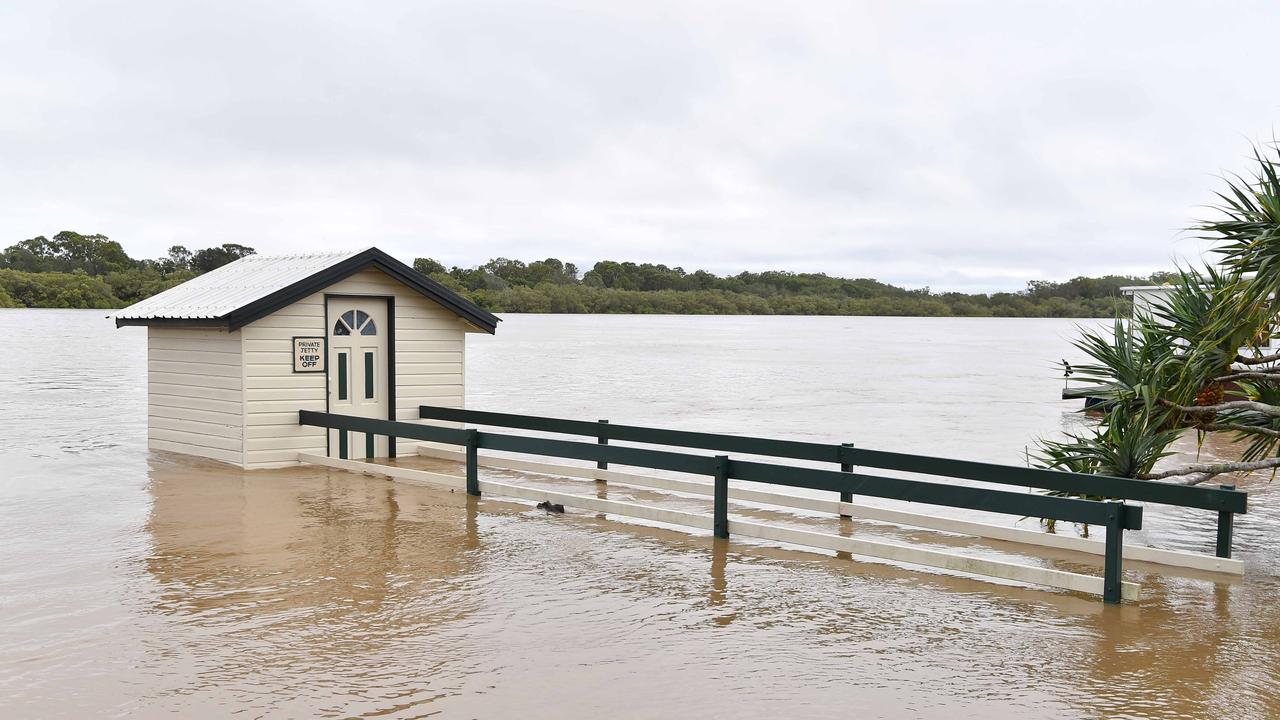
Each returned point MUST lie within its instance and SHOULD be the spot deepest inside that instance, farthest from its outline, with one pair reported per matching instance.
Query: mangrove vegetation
(71, 270)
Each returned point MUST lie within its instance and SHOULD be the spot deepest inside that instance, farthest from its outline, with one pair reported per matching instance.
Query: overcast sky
(957, 145)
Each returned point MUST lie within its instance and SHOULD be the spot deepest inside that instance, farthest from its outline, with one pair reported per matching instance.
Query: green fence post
(602, 440)
(342, 444)
(1226, 527)
(845, 497)
(473, 463)
(1115, 543)
(370, 445)
(720, 524)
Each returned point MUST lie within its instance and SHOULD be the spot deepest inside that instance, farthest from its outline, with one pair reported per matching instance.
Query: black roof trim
(372, 257)
(174, 322)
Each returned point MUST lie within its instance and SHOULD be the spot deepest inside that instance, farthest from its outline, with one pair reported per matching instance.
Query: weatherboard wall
(429, 351)
(195, 392)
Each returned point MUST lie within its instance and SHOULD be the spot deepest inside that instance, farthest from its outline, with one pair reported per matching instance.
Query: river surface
(136, 584)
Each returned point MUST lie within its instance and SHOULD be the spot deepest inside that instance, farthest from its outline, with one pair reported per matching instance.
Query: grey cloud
(972, 146)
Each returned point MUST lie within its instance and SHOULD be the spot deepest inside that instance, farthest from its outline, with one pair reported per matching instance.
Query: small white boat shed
(234, 354)
(1145, 296)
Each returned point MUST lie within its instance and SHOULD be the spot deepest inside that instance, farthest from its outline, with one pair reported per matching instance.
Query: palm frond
(1247, 235)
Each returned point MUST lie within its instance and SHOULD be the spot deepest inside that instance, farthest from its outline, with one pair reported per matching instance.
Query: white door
(358, 372)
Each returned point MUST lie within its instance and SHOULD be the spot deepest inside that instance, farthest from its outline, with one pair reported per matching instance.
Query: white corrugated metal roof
(234, 285)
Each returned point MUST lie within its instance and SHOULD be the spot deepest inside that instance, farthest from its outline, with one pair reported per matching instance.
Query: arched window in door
(355, 322)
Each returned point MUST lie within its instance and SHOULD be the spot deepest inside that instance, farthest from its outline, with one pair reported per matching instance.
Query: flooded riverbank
(142, 584)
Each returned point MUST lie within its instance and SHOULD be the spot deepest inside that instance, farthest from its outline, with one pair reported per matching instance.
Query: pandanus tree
(1199, 360)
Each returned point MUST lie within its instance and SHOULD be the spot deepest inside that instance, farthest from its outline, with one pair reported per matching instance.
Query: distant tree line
(71, 270)
(553, 286)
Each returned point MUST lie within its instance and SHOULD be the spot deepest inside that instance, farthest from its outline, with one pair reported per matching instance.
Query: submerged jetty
(352, 360)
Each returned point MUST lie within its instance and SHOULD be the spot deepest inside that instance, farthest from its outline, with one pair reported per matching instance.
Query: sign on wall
(308, 354)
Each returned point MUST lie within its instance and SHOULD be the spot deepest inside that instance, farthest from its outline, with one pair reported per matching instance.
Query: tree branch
(1251, 375)
(1264, 408)
(1200, 472)
(1233, 427)
(1257, 360)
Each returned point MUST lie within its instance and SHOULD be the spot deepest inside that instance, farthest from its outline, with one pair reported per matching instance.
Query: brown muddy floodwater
(145, 585)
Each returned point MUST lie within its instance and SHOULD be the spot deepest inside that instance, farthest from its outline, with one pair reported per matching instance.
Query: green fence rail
(1225, 500)
(1116, 516)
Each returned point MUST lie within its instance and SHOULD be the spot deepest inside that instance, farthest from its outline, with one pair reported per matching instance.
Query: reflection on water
(144, 585)
(315, 587)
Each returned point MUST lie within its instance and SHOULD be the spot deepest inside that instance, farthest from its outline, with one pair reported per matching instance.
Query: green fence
(1225, 500)
(1115, 516)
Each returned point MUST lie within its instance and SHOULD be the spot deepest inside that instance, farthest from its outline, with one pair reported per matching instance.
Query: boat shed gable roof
(255, 286)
